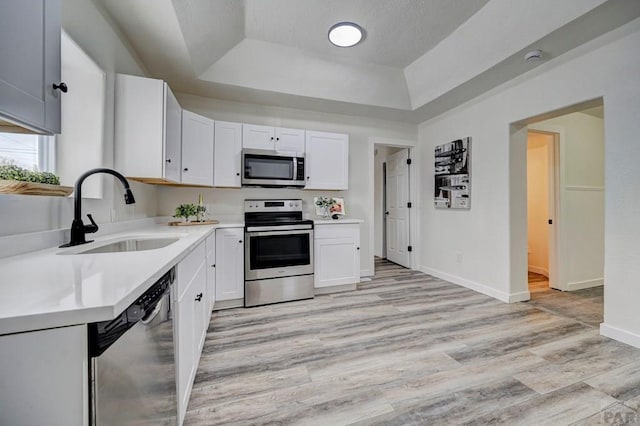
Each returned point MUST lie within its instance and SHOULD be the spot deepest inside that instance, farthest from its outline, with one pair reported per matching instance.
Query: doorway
(563, 215)
(391, 204)
(541, 209)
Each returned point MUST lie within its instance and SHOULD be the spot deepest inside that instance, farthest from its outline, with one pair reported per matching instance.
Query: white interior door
(397, 212)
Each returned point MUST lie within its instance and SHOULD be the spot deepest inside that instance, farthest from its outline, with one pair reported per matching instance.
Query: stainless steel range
(278, 252)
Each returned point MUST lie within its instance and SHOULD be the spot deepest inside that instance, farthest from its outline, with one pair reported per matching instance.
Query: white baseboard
(335, 289)
(579, 285)
(538, 270)
(366, 273)
(480, 288)
(228, 304)
(620, 335)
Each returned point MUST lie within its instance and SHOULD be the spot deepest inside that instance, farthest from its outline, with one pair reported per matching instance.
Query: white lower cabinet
(44, 377)
(191, 321)
(336, 255)
(229, 264)
(211, 271)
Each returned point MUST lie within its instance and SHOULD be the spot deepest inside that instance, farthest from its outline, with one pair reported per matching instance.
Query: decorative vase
(326, 210)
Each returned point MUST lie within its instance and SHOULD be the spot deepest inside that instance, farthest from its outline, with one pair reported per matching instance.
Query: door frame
(413, 197)
(384, 209)
(554, 178)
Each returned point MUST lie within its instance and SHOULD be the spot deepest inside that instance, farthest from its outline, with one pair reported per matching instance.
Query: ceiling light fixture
(345, 34)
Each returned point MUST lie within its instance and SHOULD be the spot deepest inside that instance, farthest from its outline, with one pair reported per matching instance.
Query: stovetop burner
(274, 213)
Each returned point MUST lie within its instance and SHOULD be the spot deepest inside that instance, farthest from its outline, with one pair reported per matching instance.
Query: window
(32, 152)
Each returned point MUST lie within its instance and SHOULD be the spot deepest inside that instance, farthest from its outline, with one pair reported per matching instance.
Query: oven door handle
(269, 233)
(280, 229)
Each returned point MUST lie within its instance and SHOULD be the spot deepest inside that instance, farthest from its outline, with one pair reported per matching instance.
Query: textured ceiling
(397, 31)
(418, 59)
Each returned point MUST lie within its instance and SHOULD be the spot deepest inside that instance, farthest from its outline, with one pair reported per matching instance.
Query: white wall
(582, 199)
(538, 202)
(358, 199)
(20, 214)
(492, 235)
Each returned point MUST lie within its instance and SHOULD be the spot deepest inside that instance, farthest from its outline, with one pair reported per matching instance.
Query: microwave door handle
(295, 168)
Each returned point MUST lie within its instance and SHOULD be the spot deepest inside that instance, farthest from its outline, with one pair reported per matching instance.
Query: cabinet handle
(168, 160)
(277, 139)
(61, 87)
(357, 248)
(271, 137)
(186, 169)
(198, 297)
(213, 266)
(307, 177)
(238, 174)
(240, 241)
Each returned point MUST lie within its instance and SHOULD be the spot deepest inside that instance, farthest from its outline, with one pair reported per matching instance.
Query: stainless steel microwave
(272, 168)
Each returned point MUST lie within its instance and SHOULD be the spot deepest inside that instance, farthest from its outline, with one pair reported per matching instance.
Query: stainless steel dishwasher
(132, 371)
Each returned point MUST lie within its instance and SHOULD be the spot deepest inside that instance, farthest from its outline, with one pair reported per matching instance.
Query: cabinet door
(327, 160)
(30, 65)
(229, 264)
(228, 154)
(172, 136)
(185, 322)
(290, 140)
(202, 316)
(337, 255)
(44, 377)
(211, 271)
(258, 137)
(197, 149)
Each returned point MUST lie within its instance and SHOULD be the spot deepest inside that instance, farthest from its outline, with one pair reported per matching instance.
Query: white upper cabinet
(272, 138)
(30, 65)
(258, 137)
(327, 160)
(228, 154)
(148, 130)
(197, 149)
(291, 140)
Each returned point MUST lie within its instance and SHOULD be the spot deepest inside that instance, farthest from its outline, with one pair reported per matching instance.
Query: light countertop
(46, 289)
(336, 221)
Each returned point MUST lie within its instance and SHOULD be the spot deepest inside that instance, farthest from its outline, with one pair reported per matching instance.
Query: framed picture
(337, 207)
(452, 175)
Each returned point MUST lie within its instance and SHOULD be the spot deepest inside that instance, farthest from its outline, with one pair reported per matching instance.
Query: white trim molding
(584, 188)
(579, 285)
(620, 335)
(480, 288)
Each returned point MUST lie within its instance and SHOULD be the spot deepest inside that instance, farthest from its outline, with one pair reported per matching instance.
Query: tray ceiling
(418, 58)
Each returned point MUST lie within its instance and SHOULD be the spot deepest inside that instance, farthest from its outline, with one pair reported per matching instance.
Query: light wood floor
(407, 348)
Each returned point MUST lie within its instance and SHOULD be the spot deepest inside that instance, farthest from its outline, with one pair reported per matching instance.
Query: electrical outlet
(458, 257)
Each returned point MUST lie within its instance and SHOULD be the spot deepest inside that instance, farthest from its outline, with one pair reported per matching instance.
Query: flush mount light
(346, 34)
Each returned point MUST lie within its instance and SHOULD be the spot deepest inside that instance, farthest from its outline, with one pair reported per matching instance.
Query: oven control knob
(290, 204)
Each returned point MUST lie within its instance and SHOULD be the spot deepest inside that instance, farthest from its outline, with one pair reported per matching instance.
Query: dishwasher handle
(103, 334)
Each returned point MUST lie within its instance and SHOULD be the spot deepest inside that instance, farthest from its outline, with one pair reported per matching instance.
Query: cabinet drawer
(188, 267)
(350, 230)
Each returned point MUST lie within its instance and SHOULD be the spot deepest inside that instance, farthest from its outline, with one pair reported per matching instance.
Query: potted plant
(185, 211)
(17, 180)
(324, 205)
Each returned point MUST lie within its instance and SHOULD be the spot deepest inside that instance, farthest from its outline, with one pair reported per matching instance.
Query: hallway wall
(491, 236)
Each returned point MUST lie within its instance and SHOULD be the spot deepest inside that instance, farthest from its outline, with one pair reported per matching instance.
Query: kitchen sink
(128, 245)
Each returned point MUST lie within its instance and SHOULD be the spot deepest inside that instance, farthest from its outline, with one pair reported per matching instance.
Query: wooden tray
(206, 222)
(31, 188)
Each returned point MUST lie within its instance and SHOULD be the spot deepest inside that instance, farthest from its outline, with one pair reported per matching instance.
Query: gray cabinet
(30, 65)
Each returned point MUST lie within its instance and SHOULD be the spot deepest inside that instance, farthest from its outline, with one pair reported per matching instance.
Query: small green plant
(13, 172)
(186, 211)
